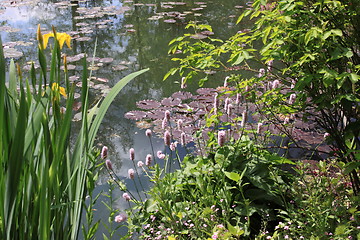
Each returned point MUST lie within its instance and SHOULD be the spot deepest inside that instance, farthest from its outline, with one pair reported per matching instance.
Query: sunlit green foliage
(46, 172)
(311, 47)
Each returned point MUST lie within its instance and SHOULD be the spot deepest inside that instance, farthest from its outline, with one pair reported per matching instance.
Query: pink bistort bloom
(126, 196)
(131, 173)
(167, 138)
(132, 154)
(104, 152)
(148, 160)
(160, 155)
(221, 137)
(108, 164)
(120, 218)
(148, 132)
(140, 164)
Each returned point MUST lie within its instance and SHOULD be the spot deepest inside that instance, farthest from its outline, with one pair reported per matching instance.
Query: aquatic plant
(45, 176)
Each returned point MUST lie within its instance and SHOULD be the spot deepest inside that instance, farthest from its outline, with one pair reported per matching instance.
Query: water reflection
(126, 34)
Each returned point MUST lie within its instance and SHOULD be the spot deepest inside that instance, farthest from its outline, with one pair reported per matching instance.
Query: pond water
(131, 35)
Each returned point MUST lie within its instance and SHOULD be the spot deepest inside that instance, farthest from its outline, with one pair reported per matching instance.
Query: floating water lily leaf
(83, 39)
(206, 91)
(77, 117)
(100, 86)
(12, 53)
(93, 68)
(119, 67)
(143, 124)
(93, 59)
(104, 80)
(182, 95)
(75, 58)
(155, 17)
(106, 60)
(170, 21)
(135, 115)
(169, 102)
(76, 106)
(73, 78)
(148, 104)
(9, 29)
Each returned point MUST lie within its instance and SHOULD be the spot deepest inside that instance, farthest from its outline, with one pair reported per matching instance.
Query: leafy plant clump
(233, 193)
(306, 67)
(299, 65)
(44, 176)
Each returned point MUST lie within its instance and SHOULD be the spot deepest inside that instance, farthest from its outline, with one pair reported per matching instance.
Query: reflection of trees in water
(146, 47)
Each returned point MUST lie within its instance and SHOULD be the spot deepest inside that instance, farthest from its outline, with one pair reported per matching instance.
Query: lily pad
(148, 104)
(83, 39)
(12, 53)
(170, 21)
(119, 67)
(170, 102)
(106, 60)
(135, 115)
(182, 95)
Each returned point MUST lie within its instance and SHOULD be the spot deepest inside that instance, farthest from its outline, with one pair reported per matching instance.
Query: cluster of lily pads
(227, 110)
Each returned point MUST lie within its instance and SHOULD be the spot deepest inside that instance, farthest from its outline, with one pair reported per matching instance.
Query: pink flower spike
(148, 132)
(259, 128)
(132, 154)
(292, 98)
(244, 118)
(270, 63)
(275, 84)
(229, 108)
(148, 160)
(286, 120)
(140, 164)
(326, 135)
(120, 218)
(227, 102)
(221, 138)
(160, 155)
(225, 81)
(237, 101)
(126, 196)
(167, 115)
(172, 146)
(261, 72)
(131, 173)
(180, 124)
(108, 164)
(164, 123)
(167, 138)
(182, 139)
(183, 83)
(104, 152)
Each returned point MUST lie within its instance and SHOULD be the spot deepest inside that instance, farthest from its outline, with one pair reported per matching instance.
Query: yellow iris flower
(56, 87)
(61, 37)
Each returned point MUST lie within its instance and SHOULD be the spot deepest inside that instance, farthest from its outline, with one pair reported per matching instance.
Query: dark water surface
(132, 35)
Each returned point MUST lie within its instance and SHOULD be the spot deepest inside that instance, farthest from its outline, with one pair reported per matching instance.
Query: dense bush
(299, 69)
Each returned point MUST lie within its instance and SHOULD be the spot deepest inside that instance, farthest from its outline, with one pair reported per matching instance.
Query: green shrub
(233, 193)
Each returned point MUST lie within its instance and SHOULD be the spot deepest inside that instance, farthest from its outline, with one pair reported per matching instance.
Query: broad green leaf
(349, 167)
(233, 176)
(354, 77)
